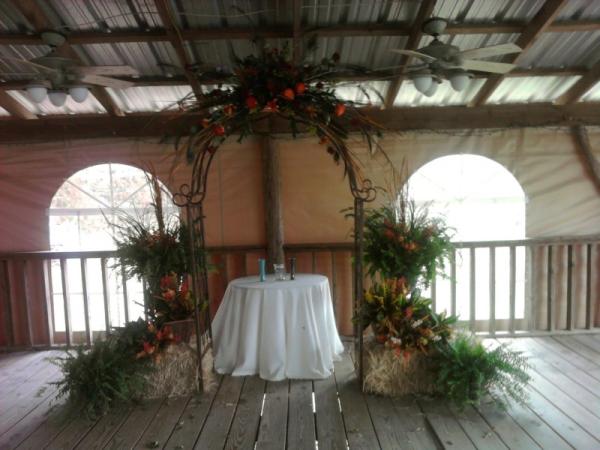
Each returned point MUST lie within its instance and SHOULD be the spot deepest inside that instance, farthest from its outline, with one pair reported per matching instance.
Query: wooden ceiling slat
(538, 25)
(14, 107)
(414, 38)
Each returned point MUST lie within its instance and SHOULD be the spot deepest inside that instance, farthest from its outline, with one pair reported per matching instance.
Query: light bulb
(78, 93)
(37, 92)
(459, 81)
(422, 82)
(432, 89)
(57, 98)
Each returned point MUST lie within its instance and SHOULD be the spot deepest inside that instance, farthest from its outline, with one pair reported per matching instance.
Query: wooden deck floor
(563, 411)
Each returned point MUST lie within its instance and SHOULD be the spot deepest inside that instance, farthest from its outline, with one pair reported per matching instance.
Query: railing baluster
(453, 282)
(512, 286)
(549, 299)
(64, 278)
(589, 321)
(492, 282)
(570, 318)
(86, 303)
(26, 303)
(333, 285)
(49, 299)
(125, 297)
(8, 318)
(472, 286)
(531, 280)
(105, 295)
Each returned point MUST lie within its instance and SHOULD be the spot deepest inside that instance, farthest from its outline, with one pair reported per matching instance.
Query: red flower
(288, 94)
(167, 332)
(300, 88)
(219, 130)
(381, 338)
(185, 287)
(272, 105)
(389, 234)
(165, 282)
(251, 102)
(409, 312)
(169, 295)
(340, 109)
(149, 348)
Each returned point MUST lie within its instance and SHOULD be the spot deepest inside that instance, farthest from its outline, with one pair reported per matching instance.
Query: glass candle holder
(279, 271)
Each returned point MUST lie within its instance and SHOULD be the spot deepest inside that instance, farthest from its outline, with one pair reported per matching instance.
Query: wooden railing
(526, 287)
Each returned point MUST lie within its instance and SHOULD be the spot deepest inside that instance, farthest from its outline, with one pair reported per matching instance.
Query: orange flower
(288, 94)
(219, 130)
(340, 109)
(409, 312)
(272, 105)
(300, 88)
(169, 295)
(251, 102)
(389, 234)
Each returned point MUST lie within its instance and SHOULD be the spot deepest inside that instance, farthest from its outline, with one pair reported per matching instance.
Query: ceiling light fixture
(38, 93)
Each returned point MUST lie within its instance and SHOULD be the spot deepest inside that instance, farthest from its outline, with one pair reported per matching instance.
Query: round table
(276, 329)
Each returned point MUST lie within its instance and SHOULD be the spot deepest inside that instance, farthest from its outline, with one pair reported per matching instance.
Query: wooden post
(273, 212)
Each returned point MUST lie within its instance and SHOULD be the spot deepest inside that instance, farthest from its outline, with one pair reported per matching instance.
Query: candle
(261, 268)
(292, 268)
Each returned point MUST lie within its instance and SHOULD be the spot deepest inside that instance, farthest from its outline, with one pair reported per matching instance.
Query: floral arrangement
(175, 301)
(262, 87)
(403, 242)
(403, 322)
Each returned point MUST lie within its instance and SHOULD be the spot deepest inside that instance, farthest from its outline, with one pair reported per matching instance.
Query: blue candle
(261, 268)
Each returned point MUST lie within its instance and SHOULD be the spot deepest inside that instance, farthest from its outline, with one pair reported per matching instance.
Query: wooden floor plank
(273, 425)
(477, 429)
(301, 419)
(128, 435)
(192, 419)
(215, 430)
(330, 425)
(445, 425)
(590, 341)
(509, 431)
(74, 432)
(568, 355)
(583, 350)
(24, 375)
(359, 428)
(56, 421)
(165, 421)
(244, 427)
(104, 429)
(536, 428)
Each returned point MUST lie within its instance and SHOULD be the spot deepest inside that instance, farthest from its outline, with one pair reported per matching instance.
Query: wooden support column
(273, 211)
(584, 150)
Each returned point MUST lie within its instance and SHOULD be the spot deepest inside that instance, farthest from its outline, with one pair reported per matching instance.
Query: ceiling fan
(442, 60)
(60, 75)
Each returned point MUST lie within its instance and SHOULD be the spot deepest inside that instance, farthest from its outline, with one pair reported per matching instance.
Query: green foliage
(467, 371)
(112, 371)
(404, 242)
(403, 321)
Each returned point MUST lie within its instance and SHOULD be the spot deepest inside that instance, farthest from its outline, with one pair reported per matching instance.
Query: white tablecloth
(276, 329)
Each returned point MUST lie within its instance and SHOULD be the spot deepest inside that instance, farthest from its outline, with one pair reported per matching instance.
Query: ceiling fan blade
(107, 70)
(25, 61)
(106, 81)
(492, 50)
(487, 66)
(415, 54)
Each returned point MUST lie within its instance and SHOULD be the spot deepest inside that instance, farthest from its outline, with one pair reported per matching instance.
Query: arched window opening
(482, 201)
(82, 217)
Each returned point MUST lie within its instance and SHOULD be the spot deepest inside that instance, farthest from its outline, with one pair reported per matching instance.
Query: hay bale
(176, 371)
(389, 375)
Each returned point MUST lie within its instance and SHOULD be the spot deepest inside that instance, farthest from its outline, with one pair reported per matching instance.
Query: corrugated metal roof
(366, 93)
(593, 95)
(487, 10)
(531, 89)
(580, 9)
(4, 112)
(11, 69)
(10, 18)
(147, 99)
(90, 106)
(445, 95)
(563, 49)
(334, 12)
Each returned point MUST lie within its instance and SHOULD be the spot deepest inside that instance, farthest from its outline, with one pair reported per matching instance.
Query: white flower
(396, 340)
(436, 338)
(417, 323)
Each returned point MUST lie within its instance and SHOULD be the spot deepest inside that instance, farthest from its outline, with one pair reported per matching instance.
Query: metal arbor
(191, 197)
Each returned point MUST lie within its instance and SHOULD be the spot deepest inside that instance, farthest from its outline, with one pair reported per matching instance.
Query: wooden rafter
(414, 38)
(581, 86)
(14, 107)
(394, 119)
(36, 16)
(538, 25)
(177, 41)
(274, 32)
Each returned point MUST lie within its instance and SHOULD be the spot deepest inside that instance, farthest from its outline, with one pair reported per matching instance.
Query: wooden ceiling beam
(275, 32)
(14, 107)
(581, 86)
(416, 33)
(36, 16)
(538, 25)
(176, 39)
(395, 119)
